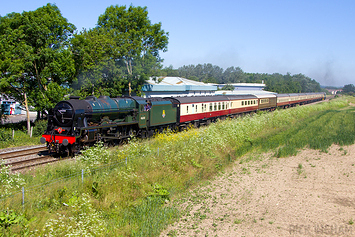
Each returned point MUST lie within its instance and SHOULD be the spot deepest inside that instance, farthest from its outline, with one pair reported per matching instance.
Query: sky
(312, 37)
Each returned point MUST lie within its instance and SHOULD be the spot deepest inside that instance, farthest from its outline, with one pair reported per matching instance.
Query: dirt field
(311, 194)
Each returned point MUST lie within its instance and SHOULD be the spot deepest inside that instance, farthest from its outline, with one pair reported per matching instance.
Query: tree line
(275, 82)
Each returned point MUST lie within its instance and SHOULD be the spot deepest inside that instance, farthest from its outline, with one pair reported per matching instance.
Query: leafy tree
(349, 89)
(35, 65)
(169, 72)
(95, 68)
(228, 87)
(121, 52)
(233, 75)
(206, 73)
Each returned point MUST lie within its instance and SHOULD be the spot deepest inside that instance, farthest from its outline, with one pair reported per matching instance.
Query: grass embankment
(15, 134)
(116, 198)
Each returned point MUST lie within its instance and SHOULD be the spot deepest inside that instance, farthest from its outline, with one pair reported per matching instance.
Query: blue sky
(312, 37)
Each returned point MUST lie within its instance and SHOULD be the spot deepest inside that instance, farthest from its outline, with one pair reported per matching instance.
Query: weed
(238, 221)
(9, 218)
(300, 169)
(9, 181)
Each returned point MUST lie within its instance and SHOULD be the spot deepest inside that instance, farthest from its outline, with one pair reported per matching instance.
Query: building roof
(176, 84)
(244, 92)
(174, 81)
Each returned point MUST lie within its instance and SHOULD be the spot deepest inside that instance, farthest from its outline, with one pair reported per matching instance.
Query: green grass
(15, 134)
(137, 198)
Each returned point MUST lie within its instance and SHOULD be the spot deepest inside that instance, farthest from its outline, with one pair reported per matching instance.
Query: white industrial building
(178, 86)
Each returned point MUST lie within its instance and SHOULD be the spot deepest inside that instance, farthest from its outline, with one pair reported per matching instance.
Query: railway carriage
(267, 102)
(296, 99)
(313, 97)
(206, 109)
(283, 100)
(293, 99)
(243, 104)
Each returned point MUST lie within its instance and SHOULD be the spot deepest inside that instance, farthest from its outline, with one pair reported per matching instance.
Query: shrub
(8, 181)
(5, 135)
(83, 220)
(94, 156)
(39, 128)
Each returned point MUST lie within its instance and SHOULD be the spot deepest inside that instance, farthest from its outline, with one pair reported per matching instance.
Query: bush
(8, 181)
(39, 128)
(20, 126)
(5, 135)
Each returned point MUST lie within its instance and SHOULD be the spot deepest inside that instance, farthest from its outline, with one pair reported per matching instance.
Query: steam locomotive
(75, 123)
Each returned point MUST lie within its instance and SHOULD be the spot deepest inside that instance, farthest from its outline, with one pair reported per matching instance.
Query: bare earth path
(311, 194)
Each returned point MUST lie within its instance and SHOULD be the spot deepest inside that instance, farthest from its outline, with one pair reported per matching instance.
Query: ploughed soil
(310, 194)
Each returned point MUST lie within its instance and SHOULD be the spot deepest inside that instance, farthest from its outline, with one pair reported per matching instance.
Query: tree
(95, 68)
(349, 89)
(131, 48)
(36, 66)
(233, 75)
(169, 72)
(228, 87)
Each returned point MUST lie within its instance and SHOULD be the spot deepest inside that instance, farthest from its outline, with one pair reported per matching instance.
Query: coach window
(187, 109)
(211, 107)
(248, 102)
(215, 106)
(205, 107)
(242, 102)
(196, 109)
(201, 107)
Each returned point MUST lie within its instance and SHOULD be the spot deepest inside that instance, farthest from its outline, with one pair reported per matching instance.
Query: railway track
(21, 158)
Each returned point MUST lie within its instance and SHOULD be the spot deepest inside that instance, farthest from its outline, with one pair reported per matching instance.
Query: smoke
(324, 73)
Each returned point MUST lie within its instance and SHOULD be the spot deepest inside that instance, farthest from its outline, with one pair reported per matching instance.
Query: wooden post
(28, 115)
